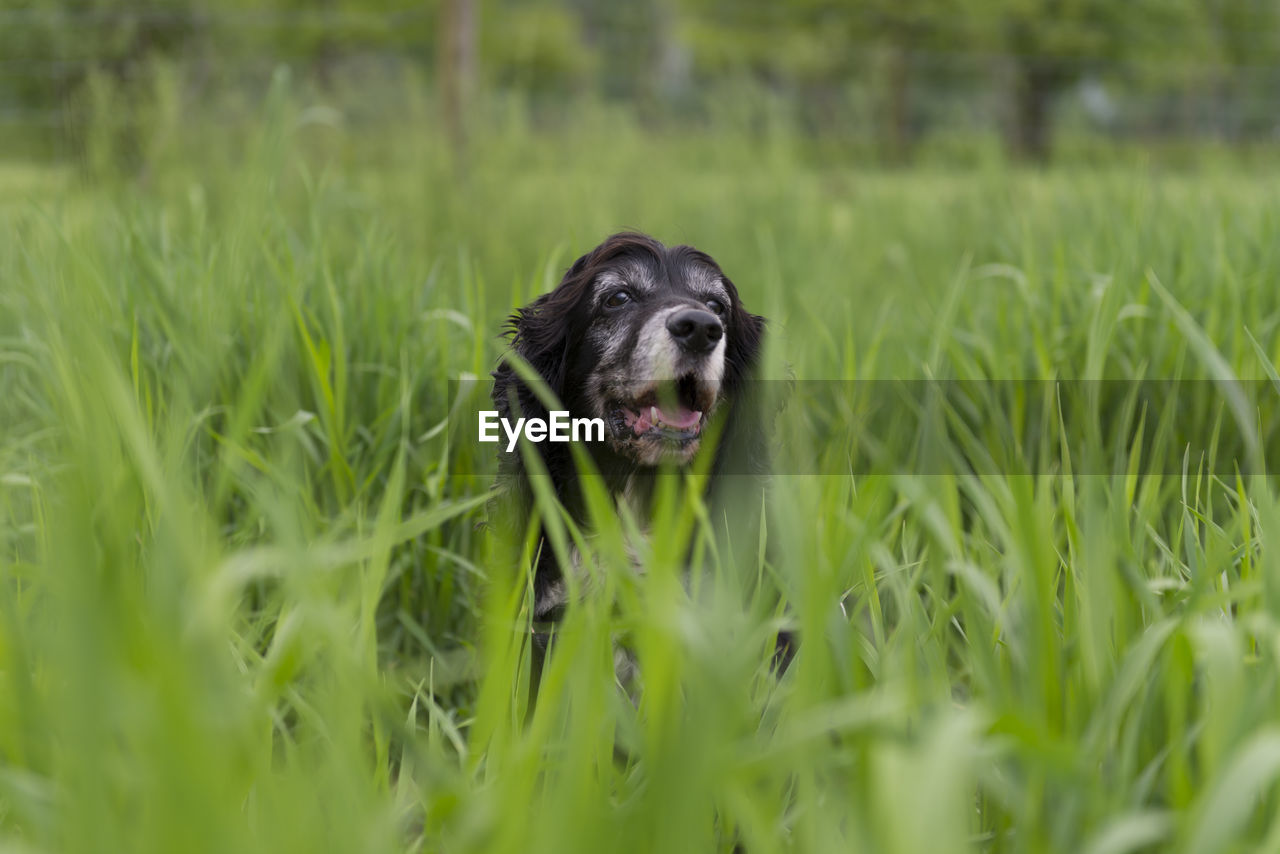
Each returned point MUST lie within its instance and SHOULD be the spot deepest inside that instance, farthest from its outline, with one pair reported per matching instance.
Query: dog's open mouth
(670, 411)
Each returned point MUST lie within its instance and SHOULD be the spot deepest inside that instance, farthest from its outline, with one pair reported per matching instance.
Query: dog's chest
(632, 505)
(631, 502)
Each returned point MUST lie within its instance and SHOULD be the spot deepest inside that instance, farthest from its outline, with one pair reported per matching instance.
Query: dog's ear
(742, 350)
(743, 448)
(540, 334)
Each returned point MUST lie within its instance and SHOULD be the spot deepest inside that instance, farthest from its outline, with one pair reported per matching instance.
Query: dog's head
(651, 339)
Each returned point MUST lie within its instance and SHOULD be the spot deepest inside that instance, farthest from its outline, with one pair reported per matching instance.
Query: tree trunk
(672, 63)
(897, 128)
(1037, 84)
(457, 66)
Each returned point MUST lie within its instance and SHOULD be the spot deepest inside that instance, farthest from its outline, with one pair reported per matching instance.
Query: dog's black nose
(695, 330)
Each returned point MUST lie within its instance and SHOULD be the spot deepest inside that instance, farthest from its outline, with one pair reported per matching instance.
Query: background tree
(895, 34)
(833, 71)
(538, 49)
(1050, 44)
(1245, 44)
(456, 65)
(50, 47)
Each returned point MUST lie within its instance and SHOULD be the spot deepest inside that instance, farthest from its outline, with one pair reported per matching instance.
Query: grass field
(247, 606)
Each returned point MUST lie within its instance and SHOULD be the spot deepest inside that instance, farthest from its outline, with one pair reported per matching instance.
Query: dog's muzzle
(660, 406)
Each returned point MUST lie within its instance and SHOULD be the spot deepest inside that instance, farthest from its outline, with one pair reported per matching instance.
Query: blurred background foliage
(247, 250)
(881, 79)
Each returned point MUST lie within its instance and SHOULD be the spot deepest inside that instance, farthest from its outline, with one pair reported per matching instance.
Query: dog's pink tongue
(649, 417)
(681, 419)
(638, 421)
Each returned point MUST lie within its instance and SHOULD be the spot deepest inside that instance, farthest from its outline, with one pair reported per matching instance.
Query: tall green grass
(248, 605)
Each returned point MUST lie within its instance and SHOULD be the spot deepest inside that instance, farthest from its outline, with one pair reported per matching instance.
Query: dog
(655, 342)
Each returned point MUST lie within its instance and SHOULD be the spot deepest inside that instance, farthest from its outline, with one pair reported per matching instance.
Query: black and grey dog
(656, 342)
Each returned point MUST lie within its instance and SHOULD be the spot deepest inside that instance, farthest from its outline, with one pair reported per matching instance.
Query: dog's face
(650, 339)
(653, 353)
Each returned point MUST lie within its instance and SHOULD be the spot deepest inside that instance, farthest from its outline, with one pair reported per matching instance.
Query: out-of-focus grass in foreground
(247, 606)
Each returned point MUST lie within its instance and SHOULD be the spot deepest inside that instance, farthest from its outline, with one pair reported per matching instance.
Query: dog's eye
(716, 306)
(617, 299)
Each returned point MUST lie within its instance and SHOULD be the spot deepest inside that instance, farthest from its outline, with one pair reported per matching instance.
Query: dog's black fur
(622, 311)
